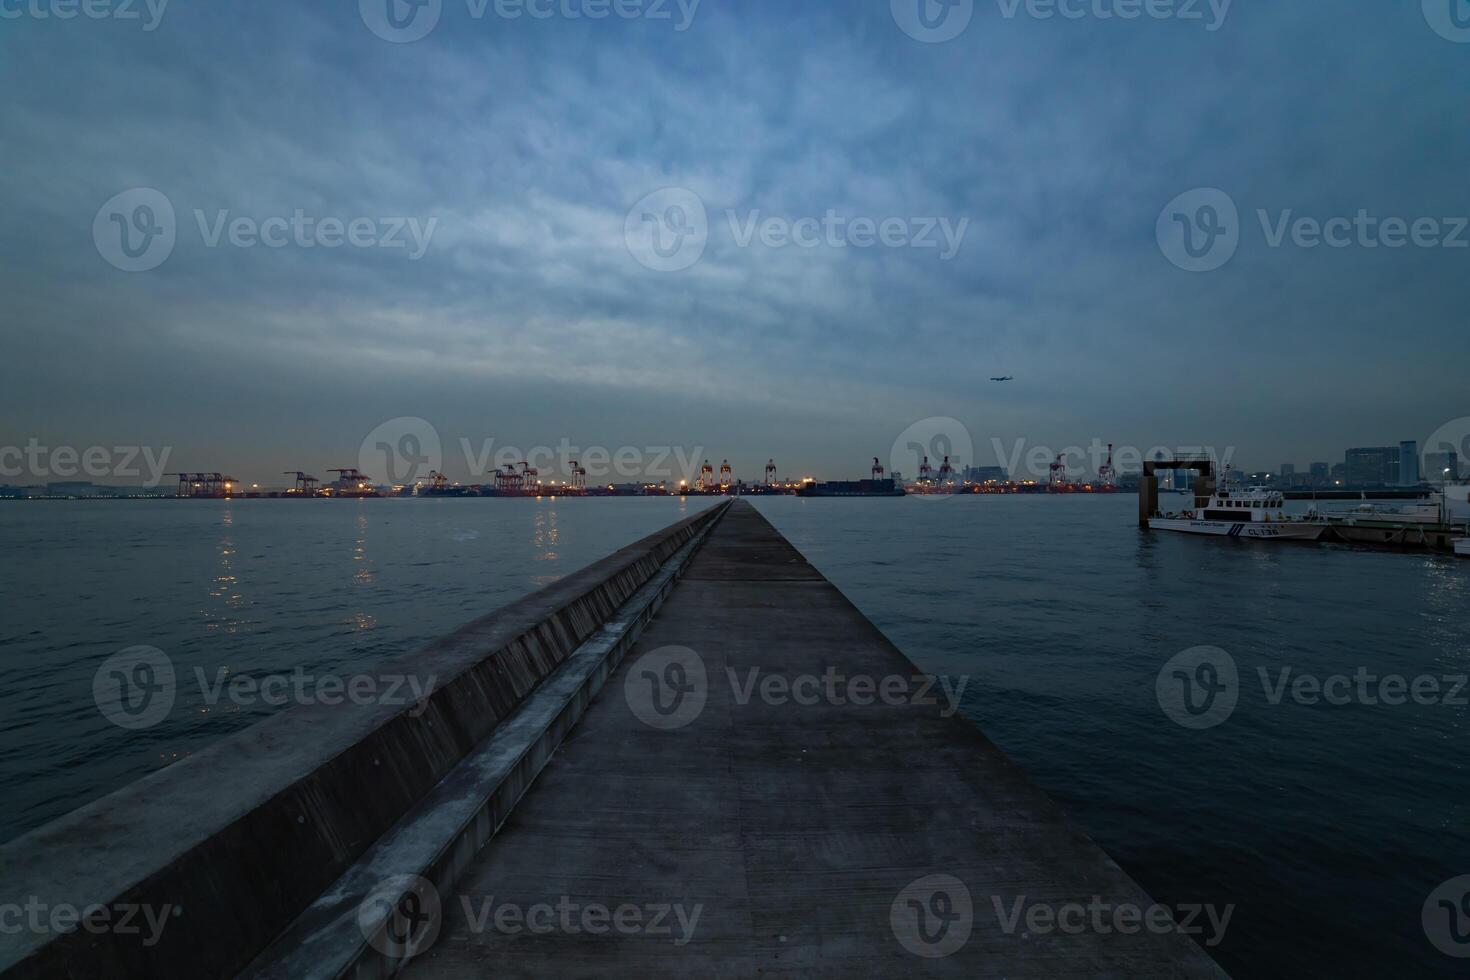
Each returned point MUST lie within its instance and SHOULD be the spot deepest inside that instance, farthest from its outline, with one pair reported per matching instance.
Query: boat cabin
(1243, 505)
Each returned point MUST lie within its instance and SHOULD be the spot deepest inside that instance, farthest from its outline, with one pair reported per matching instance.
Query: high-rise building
(1373, 466)
(1288, 470)
(1409, 463)
(1321, 474)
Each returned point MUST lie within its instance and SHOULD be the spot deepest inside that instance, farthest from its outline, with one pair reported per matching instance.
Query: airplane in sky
(1006, 378)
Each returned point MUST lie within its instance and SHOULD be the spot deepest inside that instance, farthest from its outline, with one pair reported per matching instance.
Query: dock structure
(693, 758)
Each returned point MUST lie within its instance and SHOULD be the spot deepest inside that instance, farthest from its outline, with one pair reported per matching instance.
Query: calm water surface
(1325, 826)
(252, 587)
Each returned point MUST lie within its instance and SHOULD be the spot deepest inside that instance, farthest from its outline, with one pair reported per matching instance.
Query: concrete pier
(831, 838)
(692, 758)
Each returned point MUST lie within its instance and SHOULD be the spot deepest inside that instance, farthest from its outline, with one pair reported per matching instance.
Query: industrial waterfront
(1060, 611)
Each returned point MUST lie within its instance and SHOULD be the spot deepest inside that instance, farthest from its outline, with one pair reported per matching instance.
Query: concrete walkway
(809, 827)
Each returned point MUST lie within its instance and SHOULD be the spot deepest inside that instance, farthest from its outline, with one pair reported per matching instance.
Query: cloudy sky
(853, 226)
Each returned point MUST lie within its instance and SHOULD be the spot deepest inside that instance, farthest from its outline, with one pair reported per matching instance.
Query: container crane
(306, 486)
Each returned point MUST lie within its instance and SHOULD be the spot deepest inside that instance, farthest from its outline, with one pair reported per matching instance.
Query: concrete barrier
(242, 838)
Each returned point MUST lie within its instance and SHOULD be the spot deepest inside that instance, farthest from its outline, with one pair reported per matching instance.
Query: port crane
(306, 486)
(727, 475)
(579, 476)
(770, 472)
(1057, 474)
(706, 477)
(926, 472)
(878, 470)
(508, 481)
(350, 481)
(1106, 475)
(946, 471)
(204, 484)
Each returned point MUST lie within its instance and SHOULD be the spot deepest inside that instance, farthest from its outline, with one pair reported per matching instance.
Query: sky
(734, 229)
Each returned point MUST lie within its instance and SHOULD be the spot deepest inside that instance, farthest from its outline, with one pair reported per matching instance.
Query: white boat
(1257, 513)
(1428, 511)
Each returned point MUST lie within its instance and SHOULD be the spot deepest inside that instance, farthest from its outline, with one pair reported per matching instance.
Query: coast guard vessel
(1258, 513)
